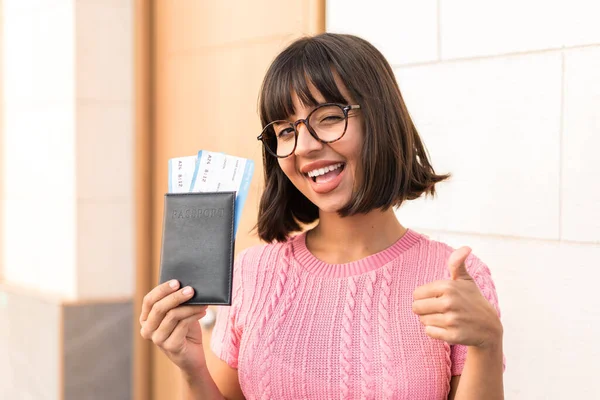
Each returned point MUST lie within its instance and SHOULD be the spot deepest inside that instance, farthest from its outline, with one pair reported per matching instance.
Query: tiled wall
(68, 215)
(97, 352)
(68, 147)
(506, 96)
(104, 148)
(38, 141)
(52, 350)
(29, 346)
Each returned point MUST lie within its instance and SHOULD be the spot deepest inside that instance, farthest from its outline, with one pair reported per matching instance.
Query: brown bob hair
(395, 166)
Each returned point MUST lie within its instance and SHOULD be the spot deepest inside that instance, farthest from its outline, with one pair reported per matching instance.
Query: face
(325, 173)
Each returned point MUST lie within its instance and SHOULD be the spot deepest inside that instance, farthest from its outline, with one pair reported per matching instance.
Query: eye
(285, 133)
(328, 115)
(332, 118)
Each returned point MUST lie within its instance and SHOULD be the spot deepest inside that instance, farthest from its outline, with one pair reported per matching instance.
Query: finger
(171, 320)
(432, 289)
(430, 305)
(156, 294)
(456, 264)
(161, 307)
(176, 341)
(436, 332)
(438, 320)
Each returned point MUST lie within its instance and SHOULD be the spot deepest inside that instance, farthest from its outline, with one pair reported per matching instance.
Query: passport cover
(198, 244)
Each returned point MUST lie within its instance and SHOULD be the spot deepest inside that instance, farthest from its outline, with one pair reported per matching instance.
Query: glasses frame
(345, 109)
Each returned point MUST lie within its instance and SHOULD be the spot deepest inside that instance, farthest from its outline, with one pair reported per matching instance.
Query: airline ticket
(210, 171)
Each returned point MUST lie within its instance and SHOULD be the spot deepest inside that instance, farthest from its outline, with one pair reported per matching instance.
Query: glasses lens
(279, 137)
(328, 122)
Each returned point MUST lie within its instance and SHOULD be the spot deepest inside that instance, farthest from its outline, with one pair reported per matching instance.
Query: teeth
(322, 171)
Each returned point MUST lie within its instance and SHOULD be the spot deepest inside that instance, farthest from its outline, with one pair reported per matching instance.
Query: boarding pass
(210, 171)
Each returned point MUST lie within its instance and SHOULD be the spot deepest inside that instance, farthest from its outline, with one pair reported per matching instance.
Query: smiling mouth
(326, 173)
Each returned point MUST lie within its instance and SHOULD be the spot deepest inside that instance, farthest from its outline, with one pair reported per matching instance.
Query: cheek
(287, 166)
(353, 143)
(354, 157)
(351, 149)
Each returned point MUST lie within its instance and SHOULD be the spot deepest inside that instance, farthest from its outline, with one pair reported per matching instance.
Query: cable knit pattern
(385, 341)
(265, 383)
(289, 300)
(300, 328)
(366, 338)
(230, 352)
(346, 353)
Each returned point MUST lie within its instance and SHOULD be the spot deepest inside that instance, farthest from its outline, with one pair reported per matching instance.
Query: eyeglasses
(327, 123)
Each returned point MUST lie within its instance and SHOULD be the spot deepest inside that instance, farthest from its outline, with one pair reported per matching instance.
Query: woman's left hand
(455, 310)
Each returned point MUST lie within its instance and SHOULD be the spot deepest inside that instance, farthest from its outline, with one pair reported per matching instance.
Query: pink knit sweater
(303, 329)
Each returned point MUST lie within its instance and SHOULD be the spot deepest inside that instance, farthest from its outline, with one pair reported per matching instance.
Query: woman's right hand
(173, 328)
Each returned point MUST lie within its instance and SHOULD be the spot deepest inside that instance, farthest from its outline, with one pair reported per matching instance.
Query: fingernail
(187, 290)
(173, 283)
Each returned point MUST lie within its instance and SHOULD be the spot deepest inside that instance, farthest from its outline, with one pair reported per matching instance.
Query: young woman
(344, 302)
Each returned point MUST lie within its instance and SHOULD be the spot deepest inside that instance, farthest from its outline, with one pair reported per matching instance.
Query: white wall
(39, 141)
(506, 96)
(105, 148)
(67, 151)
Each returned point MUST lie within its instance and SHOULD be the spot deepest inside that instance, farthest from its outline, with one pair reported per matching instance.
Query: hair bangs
(299, 71)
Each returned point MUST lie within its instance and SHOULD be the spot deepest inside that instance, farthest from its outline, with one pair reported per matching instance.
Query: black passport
(198, 244)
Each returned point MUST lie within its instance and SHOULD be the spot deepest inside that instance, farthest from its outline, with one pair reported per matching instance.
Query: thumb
(456, 264)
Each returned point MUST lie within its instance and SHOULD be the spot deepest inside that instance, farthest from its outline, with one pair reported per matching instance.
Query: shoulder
(262, 253)
(437, 253)
(262, 258)
(255, 270)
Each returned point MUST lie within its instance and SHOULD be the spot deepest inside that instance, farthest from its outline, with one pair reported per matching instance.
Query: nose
(306, 142)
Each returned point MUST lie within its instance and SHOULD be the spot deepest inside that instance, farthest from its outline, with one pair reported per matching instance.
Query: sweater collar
(313, 265)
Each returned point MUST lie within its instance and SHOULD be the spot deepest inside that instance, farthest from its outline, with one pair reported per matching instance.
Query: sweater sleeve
(227, 332)
(483, 278)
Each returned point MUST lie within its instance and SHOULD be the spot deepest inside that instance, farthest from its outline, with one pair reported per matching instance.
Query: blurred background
(97, 95)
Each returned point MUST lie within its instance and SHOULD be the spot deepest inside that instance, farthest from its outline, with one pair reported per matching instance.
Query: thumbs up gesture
(454, 310)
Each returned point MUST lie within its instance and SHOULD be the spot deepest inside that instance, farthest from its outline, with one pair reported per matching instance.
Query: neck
(340, 240)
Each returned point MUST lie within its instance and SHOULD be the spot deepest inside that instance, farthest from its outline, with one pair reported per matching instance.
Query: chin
(330, 205)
